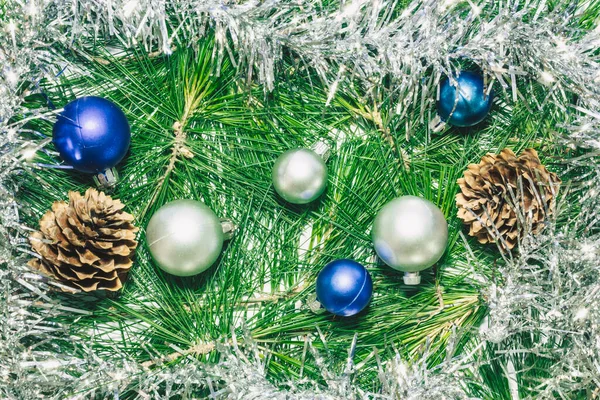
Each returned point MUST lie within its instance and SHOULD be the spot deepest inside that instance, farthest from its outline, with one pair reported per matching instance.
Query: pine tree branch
(196, 350)
(179, 149)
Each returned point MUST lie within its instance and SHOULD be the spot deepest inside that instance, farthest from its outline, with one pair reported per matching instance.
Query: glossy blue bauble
(91, 134)
(473, 104)
(344, 287)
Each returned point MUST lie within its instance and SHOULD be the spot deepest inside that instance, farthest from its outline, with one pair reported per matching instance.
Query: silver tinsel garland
(551, 290)
(241, 374)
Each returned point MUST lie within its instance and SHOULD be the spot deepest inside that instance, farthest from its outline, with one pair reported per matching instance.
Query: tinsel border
(363, 41)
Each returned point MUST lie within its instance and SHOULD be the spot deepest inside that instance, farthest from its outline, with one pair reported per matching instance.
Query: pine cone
(486, 204)
(87, 243)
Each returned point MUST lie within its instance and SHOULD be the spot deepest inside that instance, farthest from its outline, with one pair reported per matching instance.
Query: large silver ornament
(185, 237)
(410, 234)
(300, 176)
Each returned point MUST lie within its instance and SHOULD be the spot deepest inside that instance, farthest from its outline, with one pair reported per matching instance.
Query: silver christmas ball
(300, 176)
(185, 237)
(410, 234)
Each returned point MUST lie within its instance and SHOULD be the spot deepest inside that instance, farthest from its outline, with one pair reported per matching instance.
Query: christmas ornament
(300, 176)
(91, 134)
(344, 287)
(185, 237)
(493, 190)
(410, 235)
(467, 106)
(87, 243)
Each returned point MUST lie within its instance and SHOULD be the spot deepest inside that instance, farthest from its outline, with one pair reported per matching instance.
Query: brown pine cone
(88, 243)
(487, 206)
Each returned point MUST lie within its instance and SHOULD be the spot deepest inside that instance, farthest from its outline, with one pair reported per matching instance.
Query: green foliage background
(235, 131)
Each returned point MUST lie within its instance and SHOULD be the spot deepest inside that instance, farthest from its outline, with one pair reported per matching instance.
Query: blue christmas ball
(344, 287)
(91, 134)
(473, 104)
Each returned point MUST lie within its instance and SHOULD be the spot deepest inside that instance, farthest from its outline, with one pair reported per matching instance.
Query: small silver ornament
(185, 237)
(300, 176)
(410, 234)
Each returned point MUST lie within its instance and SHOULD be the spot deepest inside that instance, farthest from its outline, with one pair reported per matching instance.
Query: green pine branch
(199, 132)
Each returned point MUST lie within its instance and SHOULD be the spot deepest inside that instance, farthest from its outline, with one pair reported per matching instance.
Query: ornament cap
(229, 228)
(106, 179)
(322, 149)
(314, 305)
(437, 125)
(412, 278)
